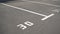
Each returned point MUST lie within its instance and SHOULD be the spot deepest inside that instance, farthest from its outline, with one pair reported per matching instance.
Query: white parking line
(56, 10)
(42, 3)
(23, 9)
(47, 17)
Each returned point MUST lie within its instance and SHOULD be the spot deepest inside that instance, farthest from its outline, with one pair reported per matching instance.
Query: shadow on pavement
(5, 1)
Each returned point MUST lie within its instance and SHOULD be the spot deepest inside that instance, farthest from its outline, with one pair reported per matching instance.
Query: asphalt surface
(10, 17)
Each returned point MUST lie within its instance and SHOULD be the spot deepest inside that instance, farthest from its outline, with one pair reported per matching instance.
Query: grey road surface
(10, 17)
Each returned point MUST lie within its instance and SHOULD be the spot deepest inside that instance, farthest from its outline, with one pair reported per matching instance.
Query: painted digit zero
(28, 23)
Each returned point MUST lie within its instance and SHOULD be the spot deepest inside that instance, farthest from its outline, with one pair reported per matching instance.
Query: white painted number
(22, 26)
(28, 23)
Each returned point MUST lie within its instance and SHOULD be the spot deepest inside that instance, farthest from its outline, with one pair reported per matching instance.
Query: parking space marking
(56, 10)
(47, 17)
(42, 3)
(23, 9)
